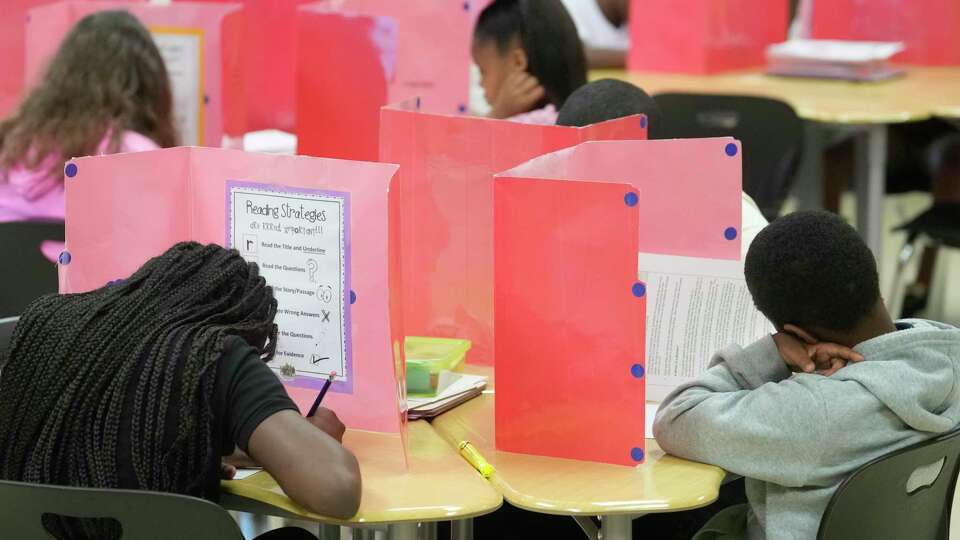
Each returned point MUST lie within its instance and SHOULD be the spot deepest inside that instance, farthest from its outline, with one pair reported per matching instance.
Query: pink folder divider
(187, 33)
(123, 209)
(569, 320)
(342, 81)
(703, 36)
(262, 74)
(447, 165)
(928, 28)
(570, 313)
(12, 38)
(356, 56)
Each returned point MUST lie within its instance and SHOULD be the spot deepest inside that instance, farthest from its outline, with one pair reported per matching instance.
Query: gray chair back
(905, 494)
(143, 515)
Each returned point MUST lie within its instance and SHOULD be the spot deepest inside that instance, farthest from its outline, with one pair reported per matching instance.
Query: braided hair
(138, 357)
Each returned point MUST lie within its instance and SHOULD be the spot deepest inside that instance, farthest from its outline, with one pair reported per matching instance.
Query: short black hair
(547, 34)
(607, 99)
(813, 270)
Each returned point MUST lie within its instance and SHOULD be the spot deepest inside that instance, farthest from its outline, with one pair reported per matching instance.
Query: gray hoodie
(795, 437)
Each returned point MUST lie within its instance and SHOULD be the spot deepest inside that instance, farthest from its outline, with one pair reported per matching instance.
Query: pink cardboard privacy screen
(570, 313)
(690, 189)
(320, 229)
(355, 56)
(262, 69)
(344, 65)
(703, 36)
(188, 35)
(569, 320)
(447, 165)
(928, 28)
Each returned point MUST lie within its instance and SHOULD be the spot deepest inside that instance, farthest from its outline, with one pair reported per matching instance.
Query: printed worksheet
(300, 238)
(181, 50)
(695, 307)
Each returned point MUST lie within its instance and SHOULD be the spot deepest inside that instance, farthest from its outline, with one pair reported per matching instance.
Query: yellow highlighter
(474, 458)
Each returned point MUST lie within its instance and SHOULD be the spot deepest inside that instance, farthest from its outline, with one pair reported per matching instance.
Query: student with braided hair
(149, 382)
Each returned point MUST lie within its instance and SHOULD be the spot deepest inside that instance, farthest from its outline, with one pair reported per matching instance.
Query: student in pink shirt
(530, 59)
(106, 91)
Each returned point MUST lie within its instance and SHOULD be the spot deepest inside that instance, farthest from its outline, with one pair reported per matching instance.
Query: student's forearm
(311, 466)
(731, 418)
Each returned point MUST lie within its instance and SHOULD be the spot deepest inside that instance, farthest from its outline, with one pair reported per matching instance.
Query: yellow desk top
(561, 486)
(438, 485)
(921, 93)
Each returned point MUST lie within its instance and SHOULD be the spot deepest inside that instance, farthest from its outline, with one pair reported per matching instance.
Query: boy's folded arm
(744, 416)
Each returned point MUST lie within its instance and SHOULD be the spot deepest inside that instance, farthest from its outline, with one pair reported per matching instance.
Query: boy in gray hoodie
(837, 386)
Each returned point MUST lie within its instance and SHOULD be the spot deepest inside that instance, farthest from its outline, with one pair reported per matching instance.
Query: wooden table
(438, 485)
(582, 489)
(864, 108)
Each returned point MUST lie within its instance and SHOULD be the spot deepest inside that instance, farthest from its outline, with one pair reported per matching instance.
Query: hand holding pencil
(323, 418)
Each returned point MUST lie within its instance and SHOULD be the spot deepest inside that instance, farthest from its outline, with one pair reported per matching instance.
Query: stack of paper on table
(456, 388)
(833, 59)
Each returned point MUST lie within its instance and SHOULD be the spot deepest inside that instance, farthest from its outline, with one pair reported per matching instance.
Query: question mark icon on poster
(312, 269)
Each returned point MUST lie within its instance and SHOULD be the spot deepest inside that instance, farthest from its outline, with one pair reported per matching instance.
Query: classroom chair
(905, 494)
(6, 334)
(937, 227)
(143, 515)
(25, 274)
(770, 131)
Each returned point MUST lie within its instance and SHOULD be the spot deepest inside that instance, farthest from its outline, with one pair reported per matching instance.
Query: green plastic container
(428, 357)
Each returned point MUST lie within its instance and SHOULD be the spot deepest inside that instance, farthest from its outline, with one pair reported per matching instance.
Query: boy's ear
(800, 333)
(517, 57)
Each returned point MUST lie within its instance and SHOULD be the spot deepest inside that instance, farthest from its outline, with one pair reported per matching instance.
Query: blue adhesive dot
(643, 122)
(418, 104)
(730, 233)
(70, 170)
(466, 6)
(639, 289)
(636, 454)
(353, 297)
(637, 371)
(631, 199)
(206, 99)
(731, 149)
(64, 258)
(461, 108)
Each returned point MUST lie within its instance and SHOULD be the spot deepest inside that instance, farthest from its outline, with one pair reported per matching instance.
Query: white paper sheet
(181, 52)
(826, 50)
(649, 414)
(246, 473)
(299, 239)
(461, 383)
(695, 307)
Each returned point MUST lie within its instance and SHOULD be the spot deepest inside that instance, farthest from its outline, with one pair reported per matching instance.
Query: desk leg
(588, 527)
(617, 527)
(359, 533)
(428, 530)
(808, 187)
(329, 532)
(402, 531)
(461, 529)
(871, 183)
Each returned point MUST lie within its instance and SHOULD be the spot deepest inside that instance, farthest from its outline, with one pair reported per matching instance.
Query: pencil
(323, 392)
